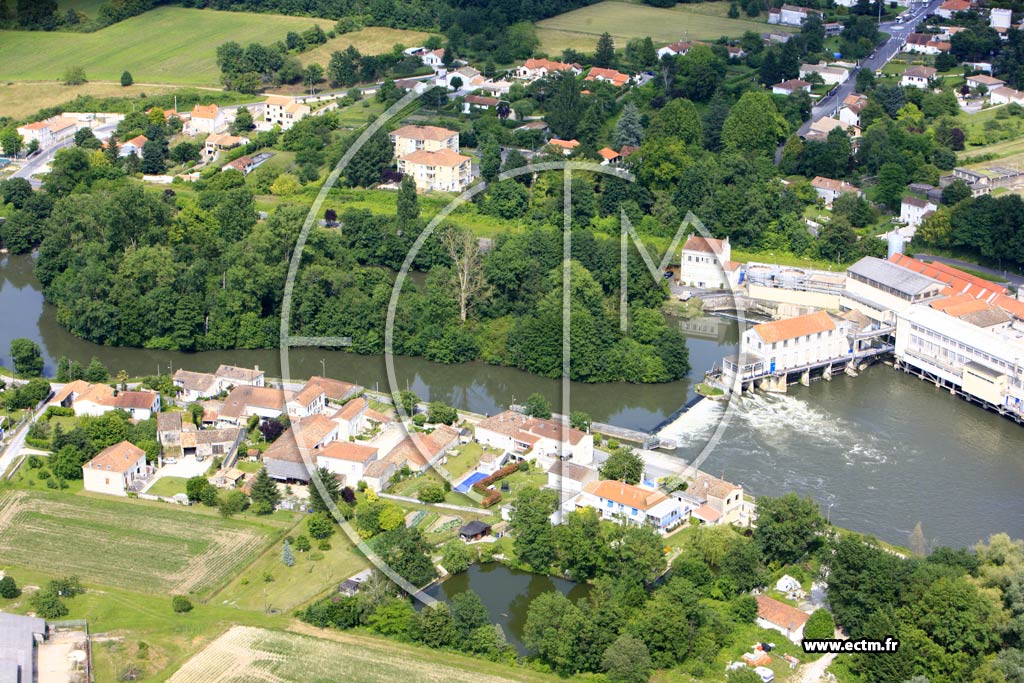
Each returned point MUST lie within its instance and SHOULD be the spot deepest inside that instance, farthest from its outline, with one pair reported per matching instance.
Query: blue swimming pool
(467, 483)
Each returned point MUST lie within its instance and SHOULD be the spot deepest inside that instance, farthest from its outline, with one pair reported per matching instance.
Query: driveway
(186, 467)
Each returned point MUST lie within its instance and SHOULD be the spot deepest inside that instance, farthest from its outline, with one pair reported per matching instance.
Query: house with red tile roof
(115, 469)
(616, 78)
(535, 69)
(778, 616)
(206, 119)
(629, 504)
(532, 437)
(566, 147)
(706, 263)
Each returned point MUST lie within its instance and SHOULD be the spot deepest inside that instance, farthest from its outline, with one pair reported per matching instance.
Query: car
(685, 296)
(766, 674)
(170, 461)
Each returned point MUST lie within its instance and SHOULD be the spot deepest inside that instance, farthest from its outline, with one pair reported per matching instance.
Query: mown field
(251, 654)
(580, 28)
(20, 99)
(372, 40)
(155, 548)
(166, 45)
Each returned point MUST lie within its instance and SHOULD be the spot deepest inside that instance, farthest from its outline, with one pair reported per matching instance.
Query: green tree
(469, 613)
(436, 626)
(787, 527)
(490, 160)
(368, 164)
(439, 412)
(565, 107)
(287, 556)
(243, 122)
(8, 588)
(892, 181)
(628, 129)
(819, 625)
(408, 401)
(96, 372)
(538, 406)
(264, 493)
(623, 464)
(559, 632)
(405, 551)
(754, 125)
(27, 357)
(580, 420)
(153, 158)
(11, 141)
(837, 240)
(430, 493)
(455, 556)
(535, 538)
(74, 75)
(604, 56)
(579, 544)
(320, 526)
(332, 489)
(181, 604)
(48, 604)
(408, 201)
(126, 79)
(627, 660)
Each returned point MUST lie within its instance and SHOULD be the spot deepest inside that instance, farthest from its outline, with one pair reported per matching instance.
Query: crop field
(124, 545)
(20, 99)
(165, 45)
(255, 654)
(579, 29)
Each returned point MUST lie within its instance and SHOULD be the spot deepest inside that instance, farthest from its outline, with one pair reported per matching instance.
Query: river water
(886, 450)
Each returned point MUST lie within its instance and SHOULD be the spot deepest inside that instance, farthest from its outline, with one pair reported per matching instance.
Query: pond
(507, 593)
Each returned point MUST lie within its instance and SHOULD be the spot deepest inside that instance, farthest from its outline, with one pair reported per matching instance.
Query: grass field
(579, 29)
(19, 99)
(253, 654)
(164, 45)
(125, 545)
(373, 40)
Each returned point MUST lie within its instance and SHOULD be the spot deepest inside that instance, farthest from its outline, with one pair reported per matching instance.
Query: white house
(570, 477)
(830, 75)
(206, 119)
(1004, 95)
(532, 437)
(347, 459)
(707, 263)
(535, 69)
(790, 15)
(914, 210)
(351, 418)
(947, 9)
(233, 376)
(49, 132)
(625, 503)
(917, 77)
(310, 400)
(133, 146)
(245, 401)
(787, 584)
(1000, 18)
(778, 616)
(115, 469)
(830, 189)
(194, 386)
(979, 80)
(853, 105)
(791, 86)
(675, 49)
(97, 399)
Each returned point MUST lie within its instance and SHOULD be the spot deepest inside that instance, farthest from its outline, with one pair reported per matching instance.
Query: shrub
(820, 625)
(8, 588)
(431, 493)
(180, 604)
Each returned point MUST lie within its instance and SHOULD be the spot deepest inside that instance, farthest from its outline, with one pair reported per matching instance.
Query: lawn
(313, 573)
(579, 29)
(256, 654)
(164, 45)
(411, 487)
(155, 548)
(168, 486)
(373, 40)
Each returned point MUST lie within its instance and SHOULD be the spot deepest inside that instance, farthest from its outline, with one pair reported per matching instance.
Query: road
(828, 105)
(1005, 275)
(17, 442)
(36, 163)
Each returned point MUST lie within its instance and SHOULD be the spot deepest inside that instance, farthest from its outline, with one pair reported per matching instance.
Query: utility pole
(323, 367)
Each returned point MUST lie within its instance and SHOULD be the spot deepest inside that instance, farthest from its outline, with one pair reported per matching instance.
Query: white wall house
(830, 75)
(628, 504)
(346, 459)
(532, 437)
(778, 616)
(914, 210)
(918, 77)
(707, 263)
(114, 469)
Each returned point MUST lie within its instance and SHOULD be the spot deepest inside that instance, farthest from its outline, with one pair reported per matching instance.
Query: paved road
(827, 106)
(36, 163)
(1007, 276)
(17, 443)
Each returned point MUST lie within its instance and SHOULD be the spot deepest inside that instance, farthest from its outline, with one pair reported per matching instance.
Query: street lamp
(323, 367)
(828, 516)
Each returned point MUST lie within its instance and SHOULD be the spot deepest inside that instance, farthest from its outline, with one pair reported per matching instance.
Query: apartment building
(443, 170)
(408, 139)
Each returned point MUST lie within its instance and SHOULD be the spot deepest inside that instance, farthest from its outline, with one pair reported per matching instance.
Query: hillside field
(153, 548)
(167, 45)
(579, 29)
(20, 99)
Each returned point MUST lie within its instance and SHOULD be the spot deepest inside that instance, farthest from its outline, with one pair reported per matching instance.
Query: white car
(170, 461)
(766, 674)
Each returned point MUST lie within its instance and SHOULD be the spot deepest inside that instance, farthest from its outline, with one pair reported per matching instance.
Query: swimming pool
(466, 484)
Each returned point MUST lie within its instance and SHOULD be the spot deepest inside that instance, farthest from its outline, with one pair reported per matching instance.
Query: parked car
(170, 461)
(685, 296)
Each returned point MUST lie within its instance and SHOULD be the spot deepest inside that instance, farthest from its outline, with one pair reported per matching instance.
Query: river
(886, 450)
